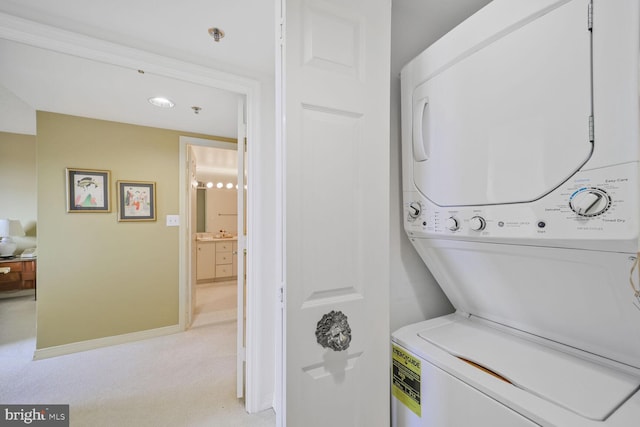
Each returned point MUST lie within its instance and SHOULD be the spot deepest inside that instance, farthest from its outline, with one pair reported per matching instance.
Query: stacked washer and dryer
(521, 149)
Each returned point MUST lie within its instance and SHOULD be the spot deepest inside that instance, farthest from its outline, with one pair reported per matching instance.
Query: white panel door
(335, 132)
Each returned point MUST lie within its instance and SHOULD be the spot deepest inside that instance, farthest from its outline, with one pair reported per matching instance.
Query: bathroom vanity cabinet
(206, 260)
(216, 259)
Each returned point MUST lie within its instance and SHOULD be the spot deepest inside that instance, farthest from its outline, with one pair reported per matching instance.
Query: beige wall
(18, 183)
(98, 277)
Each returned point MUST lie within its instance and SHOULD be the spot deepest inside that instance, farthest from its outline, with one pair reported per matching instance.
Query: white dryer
(521, 142)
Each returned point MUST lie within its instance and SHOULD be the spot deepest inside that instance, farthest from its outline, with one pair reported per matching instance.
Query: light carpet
(184, 379)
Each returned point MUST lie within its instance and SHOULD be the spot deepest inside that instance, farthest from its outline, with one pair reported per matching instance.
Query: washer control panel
(594, 205)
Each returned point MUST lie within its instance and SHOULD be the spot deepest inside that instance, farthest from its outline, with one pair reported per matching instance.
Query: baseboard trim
(76, 347)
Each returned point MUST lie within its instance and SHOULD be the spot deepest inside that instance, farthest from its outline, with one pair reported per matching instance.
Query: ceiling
(167, 27)
(33, 78)
(36, 76)
(216, 164)
(55, 82)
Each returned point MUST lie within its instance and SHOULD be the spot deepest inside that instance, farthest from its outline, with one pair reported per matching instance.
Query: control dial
(414, 210)
(452, 224)
(590, 202)
(477, 223)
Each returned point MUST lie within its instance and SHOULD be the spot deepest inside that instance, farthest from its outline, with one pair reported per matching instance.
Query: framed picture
(88, 190)
(136, 201)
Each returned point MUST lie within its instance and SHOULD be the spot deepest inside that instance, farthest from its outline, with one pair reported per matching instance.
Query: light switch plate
(173, 220)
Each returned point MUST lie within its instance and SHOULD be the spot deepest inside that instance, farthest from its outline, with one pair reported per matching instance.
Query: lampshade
(11, 227)
(8, 228)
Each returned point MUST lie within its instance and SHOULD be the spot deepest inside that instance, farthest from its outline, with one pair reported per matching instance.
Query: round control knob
(452, 224)
(477, 223)
(414, 210)
(590, 202)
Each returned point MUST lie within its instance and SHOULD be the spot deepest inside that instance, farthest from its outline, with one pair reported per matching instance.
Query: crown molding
(62, 41)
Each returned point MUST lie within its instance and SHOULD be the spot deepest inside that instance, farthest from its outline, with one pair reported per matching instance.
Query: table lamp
(8, 228)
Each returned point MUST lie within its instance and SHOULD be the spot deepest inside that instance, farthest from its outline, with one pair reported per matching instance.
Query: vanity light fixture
(219, 185)
(229, 185)
(209, 184)
(162, 102)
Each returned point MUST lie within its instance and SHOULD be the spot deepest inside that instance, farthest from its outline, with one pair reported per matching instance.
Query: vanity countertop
(212, 237)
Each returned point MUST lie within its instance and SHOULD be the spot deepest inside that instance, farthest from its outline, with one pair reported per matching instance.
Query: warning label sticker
(405, 385)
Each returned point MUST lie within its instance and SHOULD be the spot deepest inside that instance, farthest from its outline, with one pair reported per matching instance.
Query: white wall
(222, 208)
(415, 295)
(16, 116)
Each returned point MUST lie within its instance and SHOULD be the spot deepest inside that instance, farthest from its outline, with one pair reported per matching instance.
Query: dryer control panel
(593, 209)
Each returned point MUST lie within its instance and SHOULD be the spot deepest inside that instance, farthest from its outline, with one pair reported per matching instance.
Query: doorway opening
(215, 235)
(216, 230)
(216, 227)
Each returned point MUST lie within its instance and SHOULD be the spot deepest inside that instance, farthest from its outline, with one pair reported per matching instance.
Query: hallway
(215, 304)
(184, 379)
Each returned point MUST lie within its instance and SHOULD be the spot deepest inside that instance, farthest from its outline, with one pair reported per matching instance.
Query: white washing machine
(520, 135)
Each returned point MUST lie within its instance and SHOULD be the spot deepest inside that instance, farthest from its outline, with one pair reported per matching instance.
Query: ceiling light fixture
(162, 102)
(216, 33)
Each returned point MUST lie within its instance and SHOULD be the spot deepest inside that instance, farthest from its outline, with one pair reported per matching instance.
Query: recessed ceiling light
(162, 102)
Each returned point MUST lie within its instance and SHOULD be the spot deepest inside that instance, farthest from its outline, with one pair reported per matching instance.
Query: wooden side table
(21, 275)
